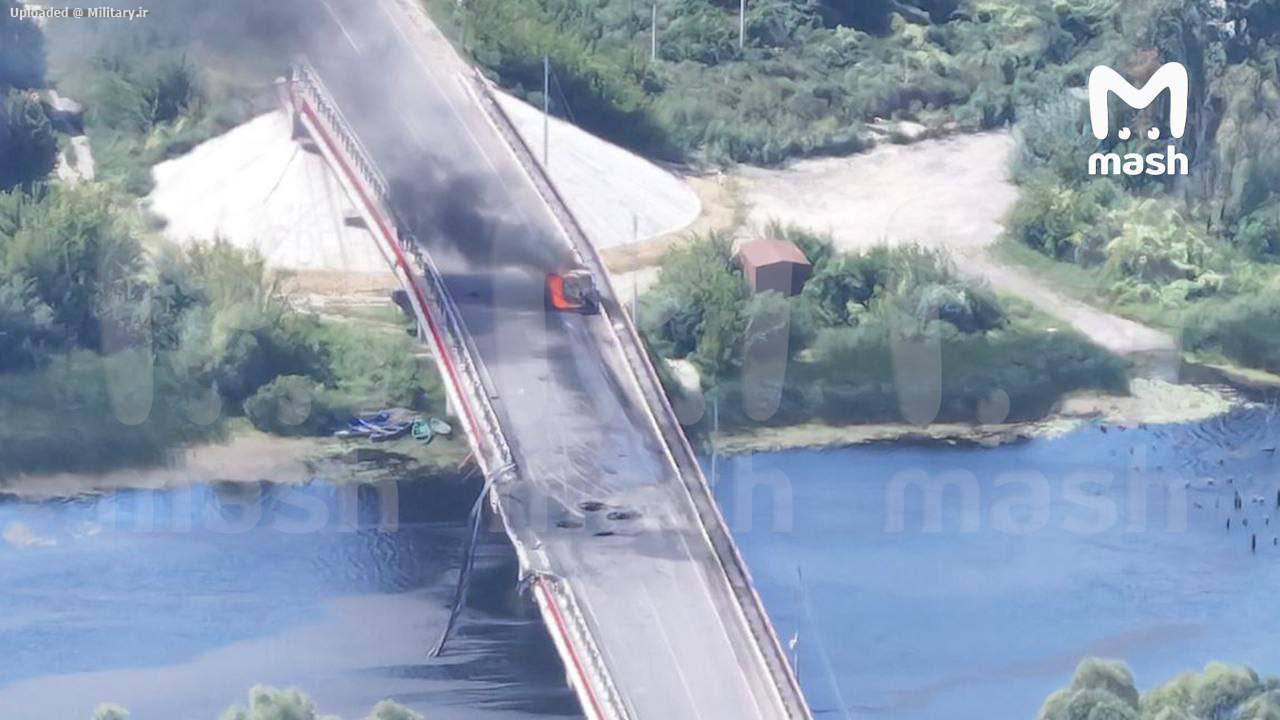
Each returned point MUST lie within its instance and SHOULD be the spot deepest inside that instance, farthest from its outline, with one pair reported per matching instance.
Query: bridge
(631, 565)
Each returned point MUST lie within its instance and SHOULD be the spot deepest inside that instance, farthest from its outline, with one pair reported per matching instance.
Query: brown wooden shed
(774, 265)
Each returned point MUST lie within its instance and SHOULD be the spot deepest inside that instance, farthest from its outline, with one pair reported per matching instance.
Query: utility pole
(715, 433)
(635, 286)
(462, 10)
(794, 645)
(653, 41)
(546, 111)
(742, 24)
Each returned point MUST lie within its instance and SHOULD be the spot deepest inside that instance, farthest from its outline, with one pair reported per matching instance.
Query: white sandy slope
(258, 188)
(609, 190)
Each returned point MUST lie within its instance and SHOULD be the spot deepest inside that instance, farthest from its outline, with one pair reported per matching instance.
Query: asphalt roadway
(655, 597)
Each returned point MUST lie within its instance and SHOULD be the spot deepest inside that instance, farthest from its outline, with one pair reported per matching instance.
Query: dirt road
(952, 193)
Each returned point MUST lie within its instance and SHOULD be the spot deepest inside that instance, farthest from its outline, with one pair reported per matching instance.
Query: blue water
(966, 583)
(918, 582)
(174, 603)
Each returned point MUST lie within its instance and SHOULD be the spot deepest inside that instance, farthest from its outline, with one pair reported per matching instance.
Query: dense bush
(1054, 142)
(27, 329)
(134, 353)
(1245, 329)
(811, 73)
(1105, 689)
(149, 96)
(1068, 223)
(289, 405)
(860, 374)
(1156, 245)
(868, 330)
(87, 412)
(132, 95)
(694, 310)
(1173, 250)
(28, 146)
(76, 254)
(1258, 234)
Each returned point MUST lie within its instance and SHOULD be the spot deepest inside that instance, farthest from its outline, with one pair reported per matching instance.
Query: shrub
(812, 71)
(1258, 234)
(290, 405)
(28, 333)
(1054, 141)
(28, 146)
(1065, 223)
(1157, 245)
(122, 410)
(694, 306)
(79, 256)
(855, 379)
(856, 335)
(1245, 329)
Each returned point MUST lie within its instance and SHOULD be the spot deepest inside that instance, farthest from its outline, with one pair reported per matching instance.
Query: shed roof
(770, 252)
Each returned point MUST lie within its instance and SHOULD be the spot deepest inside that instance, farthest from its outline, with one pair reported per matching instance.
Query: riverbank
(1150, 402)
(250, 456)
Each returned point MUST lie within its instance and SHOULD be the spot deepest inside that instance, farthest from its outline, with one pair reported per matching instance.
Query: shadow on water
(175, 602)
(499, 655)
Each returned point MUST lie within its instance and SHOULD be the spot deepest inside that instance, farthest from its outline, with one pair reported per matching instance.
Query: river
(917, 581)
(174, 603)
(962, 583)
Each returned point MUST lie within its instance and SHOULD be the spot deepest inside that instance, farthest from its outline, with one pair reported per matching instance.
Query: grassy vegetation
(813, 72)
(114, 344)
(810, 74)
(1105, 689)
(153, 90)
(27, 141)
(870, 336)
(1196, 254)
(125, 354)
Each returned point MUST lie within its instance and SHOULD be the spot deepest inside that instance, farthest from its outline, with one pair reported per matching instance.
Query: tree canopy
(1105, 690)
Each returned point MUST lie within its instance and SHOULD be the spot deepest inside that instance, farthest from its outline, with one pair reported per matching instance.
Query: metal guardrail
(466, 377)
(717, 531)
(310, 95)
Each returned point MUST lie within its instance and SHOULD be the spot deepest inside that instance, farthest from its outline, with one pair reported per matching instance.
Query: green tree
(27, 330)
(268, 703)
(108, 711)
(1104, 690)
(28, 146)
(80, 256)
(387, 710)
(695, 307)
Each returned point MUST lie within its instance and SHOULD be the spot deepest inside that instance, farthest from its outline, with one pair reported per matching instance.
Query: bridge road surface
(656, 600)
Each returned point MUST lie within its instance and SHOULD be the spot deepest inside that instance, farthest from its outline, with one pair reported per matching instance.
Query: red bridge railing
(466, 381)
